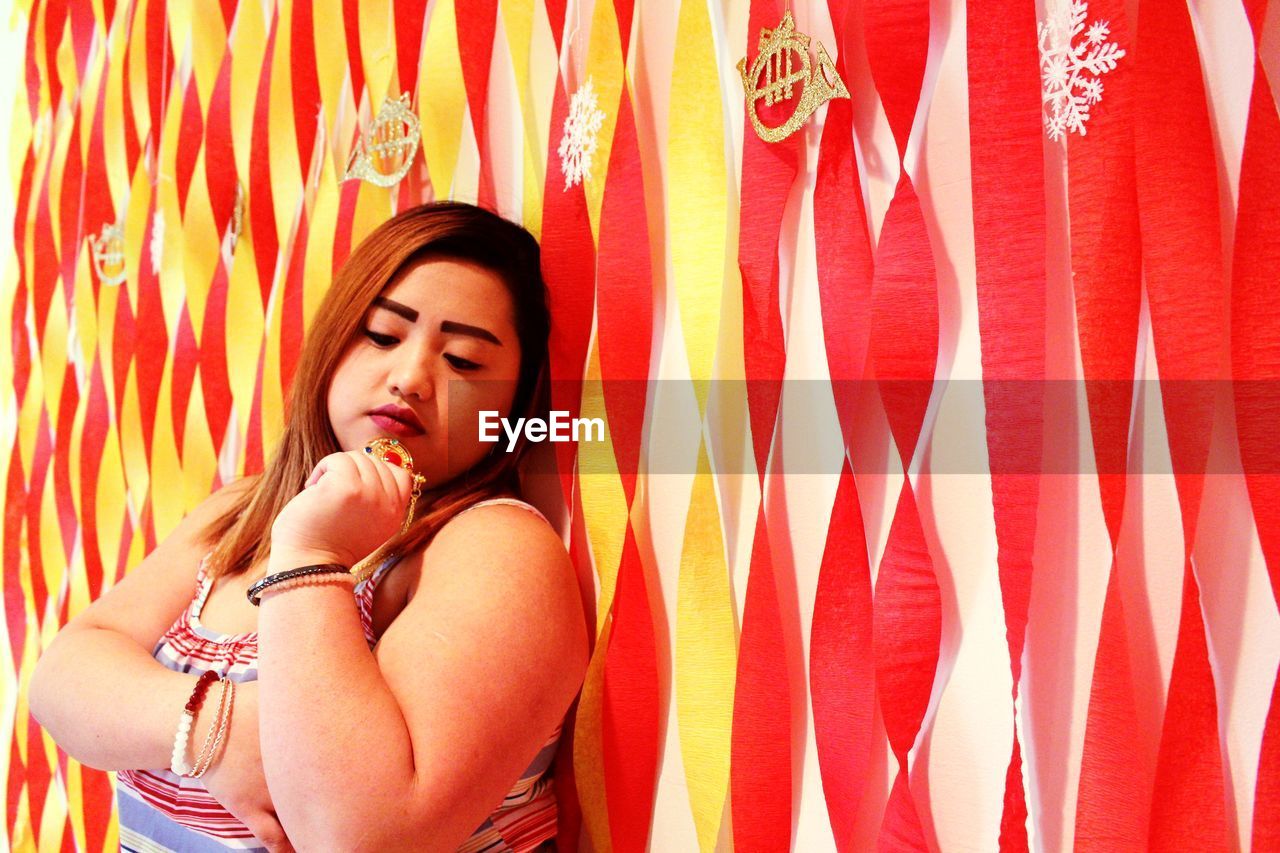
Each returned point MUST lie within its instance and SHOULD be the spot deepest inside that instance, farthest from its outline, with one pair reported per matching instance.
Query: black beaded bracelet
(255, 591)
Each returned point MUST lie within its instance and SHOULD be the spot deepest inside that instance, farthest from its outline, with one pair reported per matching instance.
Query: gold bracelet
(223, 721)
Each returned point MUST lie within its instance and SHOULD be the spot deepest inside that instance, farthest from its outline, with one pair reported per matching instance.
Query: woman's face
(438, 345)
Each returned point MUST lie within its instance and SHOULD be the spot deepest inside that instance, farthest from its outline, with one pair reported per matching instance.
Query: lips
(398, 420)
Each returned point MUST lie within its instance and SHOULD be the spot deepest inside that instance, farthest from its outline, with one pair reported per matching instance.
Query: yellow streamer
(248, 53)
(706, 645)
(377, 49)
(282, 136)
(331, 66)
(442, 98)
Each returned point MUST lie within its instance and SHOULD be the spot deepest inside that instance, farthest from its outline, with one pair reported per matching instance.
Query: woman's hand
(350, 505)
(236, 779)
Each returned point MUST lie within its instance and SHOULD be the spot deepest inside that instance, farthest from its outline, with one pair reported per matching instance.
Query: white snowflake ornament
(1070, 70)
(581, 129)
(157, 241)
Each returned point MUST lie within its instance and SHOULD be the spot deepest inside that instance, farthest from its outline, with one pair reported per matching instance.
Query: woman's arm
(96, 689)
(412, 746)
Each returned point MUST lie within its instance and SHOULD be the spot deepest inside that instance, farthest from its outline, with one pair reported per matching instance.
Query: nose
(412, 379)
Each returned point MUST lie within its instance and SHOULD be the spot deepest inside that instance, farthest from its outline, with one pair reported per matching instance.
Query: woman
(424, 717)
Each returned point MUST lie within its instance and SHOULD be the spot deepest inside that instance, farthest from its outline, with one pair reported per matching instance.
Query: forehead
(449, 289)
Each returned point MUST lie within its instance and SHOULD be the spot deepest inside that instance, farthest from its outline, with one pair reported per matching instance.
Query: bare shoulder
(496, 625)
(504, 551)
(497, 529)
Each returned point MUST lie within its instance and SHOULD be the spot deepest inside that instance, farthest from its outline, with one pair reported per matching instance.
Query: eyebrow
(446, 326)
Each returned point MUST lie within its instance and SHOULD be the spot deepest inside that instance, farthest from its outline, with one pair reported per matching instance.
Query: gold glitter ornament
(774, 63)
(386, 149)
(392, 452)
(108, 254)
(236, 227)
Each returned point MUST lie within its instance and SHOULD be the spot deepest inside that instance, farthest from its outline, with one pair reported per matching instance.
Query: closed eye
(385, 341)
(462, 363)
(379, 340)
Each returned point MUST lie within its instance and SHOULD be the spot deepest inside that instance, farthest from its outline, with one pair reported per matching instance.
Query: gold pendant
(774, 63)
(391, 451)
(385, 151)
(108, 254)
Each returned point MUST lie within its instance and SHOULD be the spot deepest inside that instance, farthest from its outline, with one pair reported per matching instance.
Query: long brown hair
(439, 229)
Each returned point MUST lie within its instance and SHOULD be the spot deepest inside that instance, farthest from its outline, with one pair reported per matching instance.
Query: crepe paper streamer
(376, 44)
(475, 45)
(441, 98)
(1112, 804)
(906, 634)
(1007, 154)
(605, 69)
(631, 707)
(1187, 810)
(698, 176)
(904, 351)
(1182, 261)
(518, 25)
(705, 653)
(409, 16)
(760, 769)
(556, 10)
(624, 299)
(261, 212)
(568, 266)
(1255, 357)
(624, 336)
(841, 664)
(842, 676)
(1266, 828)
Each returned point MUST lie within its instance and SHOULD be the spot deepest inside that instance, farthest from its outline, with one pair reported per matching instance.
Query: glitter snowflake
(157, 241)
(581, 128)
(1070, 71)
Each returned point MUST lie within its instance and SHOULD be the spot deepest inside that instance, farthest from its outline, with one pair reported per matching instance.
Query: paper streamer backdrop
(216, 134)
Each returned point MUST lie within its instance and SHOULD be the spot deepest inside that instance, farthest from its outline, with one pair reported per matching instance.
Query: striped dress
(160, 811)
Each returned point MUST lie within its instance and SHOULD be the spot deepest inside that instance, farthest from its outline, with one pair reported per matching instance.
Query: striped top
(161, 812)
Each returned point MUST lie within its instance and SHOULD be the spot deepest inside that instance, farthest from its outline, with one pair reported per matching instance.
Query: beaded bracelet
(255, 592)
(223, 722)
(178, 764)
(315, 579)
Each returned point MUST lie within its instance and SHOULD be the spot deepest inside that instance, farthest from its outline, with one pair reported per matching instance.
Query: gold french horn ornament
(108, 254)
(776, 71)
(386, 150)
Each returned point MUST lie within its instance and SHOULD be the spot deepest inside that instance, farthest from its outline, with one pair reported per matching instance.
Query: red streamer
(1106, 259)
(1255, 355)
(1006, 145)
(631, 700)
(760, 777)
(907, 622)
(841, 662)
(1182, 257)
(475, 46)
(261, 207)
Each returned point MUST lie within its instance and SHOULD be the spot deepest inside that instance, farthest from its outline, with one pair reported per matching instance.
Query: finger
(391, 478)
